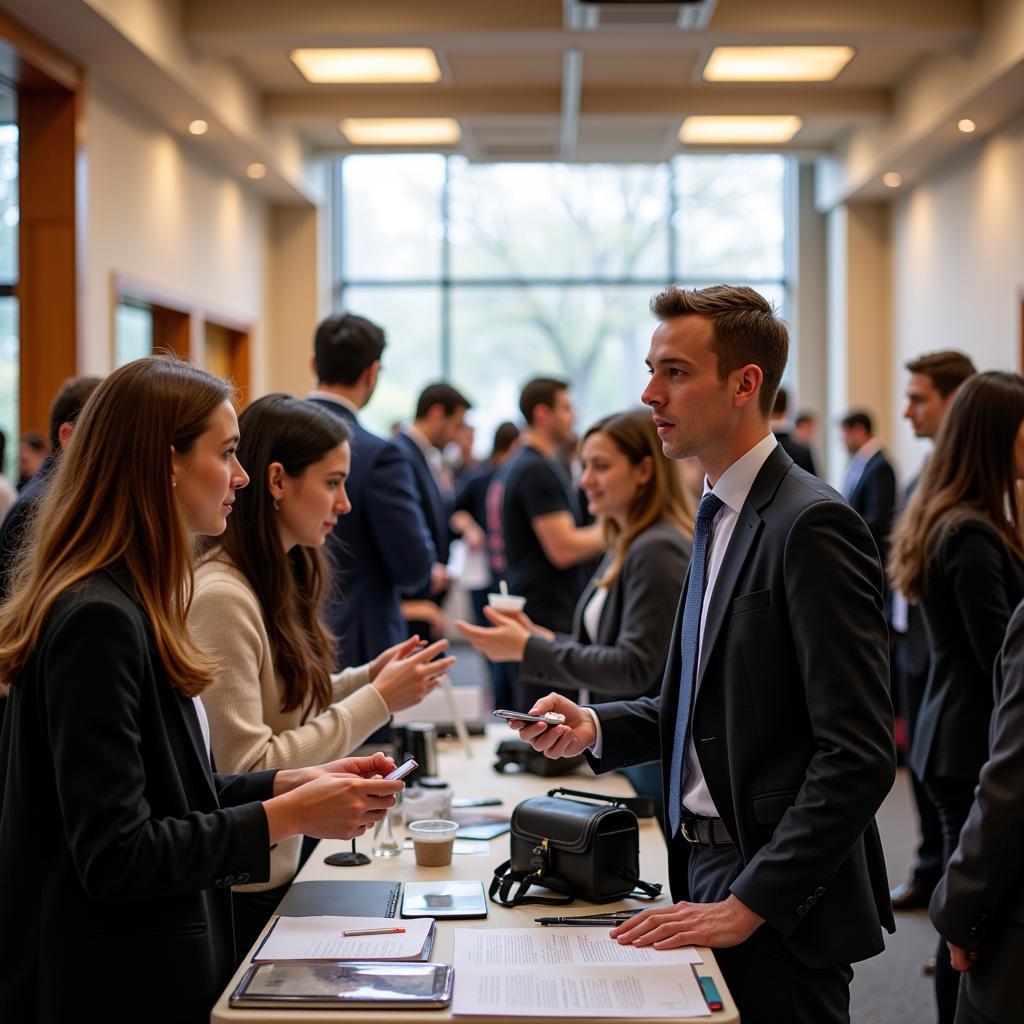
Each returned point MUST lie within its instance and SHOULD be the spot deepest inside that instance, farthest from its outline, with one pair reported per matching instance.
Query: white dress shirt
(733, 488)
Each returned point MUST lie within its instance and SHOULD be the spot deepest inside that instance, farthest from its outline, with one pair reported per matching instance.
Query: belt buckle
(683, 828)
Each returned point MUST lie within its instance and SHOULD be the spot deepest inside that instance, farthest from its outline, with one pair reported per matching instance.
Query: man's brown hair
(946, 370)
(745, 328)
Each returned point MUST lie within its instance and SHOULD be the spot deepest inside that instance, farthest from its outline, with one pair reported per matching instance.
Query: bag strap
(600, 797)
(648, 890)
(504, 879)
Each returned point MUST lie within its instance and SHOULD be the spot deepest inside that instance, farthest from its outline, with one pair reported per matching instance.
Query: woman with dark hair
(624, 617)
(257, 610)
(958, 551)
(118, 842)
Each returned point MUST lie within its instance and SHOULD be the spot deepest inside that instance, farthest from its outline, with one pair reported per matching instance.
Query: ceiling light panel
(360, 66)
(401, 131)
(776, 63)
(734, 130)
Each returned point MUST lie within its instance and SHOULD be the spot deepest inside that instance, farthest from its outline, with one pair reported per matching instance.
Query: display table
(475, 777)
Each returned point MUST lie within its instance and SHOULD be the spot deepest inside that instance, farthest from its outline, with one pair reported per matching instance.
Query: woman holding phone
(275, 701)
(617, 648)
(118, 841)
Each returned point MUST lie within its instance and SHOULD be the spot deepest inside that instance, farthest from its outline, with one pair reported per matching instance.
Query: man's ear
(747, 385)
(64, 432)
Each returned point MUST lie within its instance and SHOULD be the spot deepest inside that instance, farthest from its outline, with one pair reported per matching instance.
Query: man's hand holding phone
(575, 735)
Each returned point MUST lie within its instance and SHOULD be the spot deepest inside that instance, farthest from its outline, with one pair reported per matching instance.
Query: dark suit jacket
(796, 450)
(979, 903)
(381, 548)
(874, 499)
(792, 718)
(973, 584)
(17, 521)
(627, 656)
(118, 845)
(436, 509)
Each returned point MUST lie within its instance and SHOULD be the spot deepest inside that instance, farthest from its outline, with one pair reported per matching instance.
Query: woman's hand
(405, 681)
(402, 650)
(505, 641)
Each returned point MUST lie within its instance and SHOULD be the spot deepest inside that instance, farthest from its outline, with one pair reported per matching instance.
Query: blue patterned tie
(690, 645)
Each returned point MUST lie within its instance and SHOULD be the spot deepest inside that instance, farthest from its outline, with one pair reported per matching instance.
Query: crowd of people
(205, 613)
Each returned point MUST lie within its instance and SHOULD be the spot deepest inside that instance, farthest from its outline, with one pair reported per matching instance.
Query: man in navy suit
(440, 413)
(774, 725)
(382, 547)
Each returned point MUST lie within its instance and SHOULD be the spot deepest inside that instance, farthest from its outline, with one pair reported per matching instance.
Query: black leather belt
(705, 832)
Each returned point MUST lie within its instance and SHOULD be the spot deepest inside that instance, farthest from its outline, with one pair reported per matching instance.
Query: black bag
(576, 848)
(518, 755)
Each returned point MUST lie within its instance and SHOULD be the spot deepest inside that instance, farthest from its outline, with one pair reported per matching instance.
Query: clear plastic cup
(433, 840)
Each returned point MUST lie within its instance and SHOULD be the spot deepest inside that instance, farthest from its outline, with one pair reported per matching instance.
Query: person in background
(440, 412)
(623, 619)
(471, 497)
(978, 906)
(539, 516)
(8, 494)
(805, 428)
(870, 483)
(257, 610)
(118, 841)
(799, 452)
(32, 452)
(459, 454)
(958, 551)
(930, 389)
(383, 547)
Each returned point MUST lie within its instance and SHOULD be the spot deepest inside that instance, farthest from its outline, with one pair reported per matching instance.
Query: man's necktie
(690, 646)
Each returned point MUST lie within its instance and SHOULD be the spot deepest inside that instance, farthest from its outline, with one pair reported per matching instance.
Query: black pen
(600, 922)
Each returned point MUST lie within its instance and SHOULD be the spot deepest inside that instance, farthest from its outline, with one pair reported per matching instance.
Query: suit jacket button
(819, 892)
(801, 911)
(219, 882)
(243, 877)
(229, 880)
(972, 931)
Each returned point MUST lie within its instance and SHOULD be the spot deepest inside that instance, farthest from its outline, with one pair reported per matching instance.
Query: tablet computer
(342, 984)
(444, 899)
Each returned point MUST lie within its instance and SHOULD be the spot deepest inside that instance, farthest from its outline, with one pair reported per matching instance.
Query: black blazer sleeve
(983, 879)
(879, 502)
(632, 662)
(90, 704)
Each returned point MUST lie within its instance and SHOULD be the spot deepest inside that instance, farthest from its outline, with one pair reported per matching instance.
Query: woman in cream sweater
(275, 702)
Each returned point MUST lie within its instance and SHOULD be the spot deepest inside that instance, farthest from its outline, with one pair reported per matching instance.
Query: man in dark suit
(978, 906)
(440, 413)
(870, 484)
(931, 386)
(796, 450)
(382, 546)
(774, 722)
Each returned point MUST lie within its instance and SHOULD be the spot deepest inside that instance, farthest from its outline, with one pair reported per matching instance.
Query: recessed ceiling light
(401, 131)
(753, 130)
(892, 179)
(198, 126)
(776, 63)
(966, 125)
(256, 171)
(407, 64)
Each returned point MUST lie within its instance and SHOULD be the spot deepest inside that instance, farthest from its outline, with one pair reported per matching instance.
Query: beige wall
(157, 212)
(958, 265)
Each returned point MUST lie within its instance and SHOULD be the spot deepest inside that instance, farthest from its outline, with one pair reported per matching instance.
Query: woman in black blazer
(623, 620)
(958, 551)
(119, 843)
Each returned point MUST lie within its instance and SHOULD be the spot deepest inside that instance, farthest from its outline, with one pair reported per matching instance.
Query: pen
(374, 931)
(600, 922)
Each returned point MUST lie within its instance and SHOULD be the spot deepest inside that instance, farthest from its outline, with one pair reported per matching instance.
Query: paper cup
(506, 602)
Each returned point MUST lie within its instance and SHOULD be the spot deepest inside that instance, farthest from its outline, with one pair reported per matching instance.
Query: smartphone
(402, 770)
(548, 718)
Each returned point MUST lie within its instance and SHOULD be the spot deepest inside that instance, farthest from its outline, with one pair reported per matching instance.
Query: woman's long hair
(112, 501)
(970, 474)
(290, 586)
(663, 497)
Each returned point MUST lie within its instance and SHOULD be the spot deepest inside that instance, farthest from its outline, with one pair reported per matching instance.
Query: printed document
(321, 938)
(571, 972)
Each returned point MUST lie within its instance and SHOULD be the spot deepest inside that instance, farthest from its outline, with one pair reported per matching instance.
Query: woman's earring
(277, 508)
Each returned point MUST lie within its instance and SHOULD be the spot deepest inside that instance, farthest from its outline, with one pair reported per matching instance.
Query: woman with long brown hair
(118, 842)
(958, 551)
(258, 610)
(623, 619)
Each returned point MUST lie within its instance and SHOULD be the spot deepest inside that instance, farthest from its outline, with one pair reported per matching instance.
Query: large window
(9, 207)
(488, 274)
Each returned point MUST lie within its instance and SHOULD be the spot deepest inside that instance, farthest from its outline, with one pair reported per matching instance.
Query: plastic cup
(433, 840)
(506, 602)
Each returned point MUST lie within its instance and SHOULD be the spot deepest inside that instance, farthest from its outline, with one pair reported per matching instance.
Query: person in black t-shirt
(545, 548)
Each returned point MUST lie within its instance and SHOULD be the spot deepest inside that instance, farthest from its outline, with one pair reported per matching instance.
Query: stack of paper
(322, 938)
(571, 972)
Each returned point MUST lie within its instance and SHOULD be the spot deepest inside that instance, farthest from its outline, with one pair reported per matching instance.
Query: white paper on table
(320, 938)
(570, 972)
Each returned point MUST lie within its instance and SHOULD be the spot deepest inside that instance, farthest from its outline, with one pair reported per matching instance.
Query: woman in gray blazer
(623, 620)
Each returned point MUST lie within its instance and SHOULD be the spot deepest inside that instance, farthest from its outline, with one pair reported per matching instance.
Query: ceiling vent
(691, 15)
